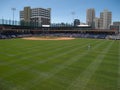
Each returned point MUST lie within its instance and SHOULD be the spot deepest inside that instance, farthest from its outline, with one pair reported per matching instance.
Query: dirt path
(48, 38)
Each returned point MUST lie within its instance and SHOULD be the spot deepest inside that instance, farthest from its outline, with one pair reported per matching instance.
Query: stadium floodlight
(13, 9)
(73, 14)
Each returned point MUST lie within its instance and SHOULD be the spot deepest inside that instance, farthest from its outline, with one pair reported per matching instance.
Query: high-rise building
(105, 19)
(97, 23)
(38, 16)
(101, 20)
(90, 17)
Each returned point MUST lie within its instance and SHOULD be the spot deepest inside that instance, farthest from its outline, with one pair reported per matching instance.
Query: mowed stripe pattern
(59, 65)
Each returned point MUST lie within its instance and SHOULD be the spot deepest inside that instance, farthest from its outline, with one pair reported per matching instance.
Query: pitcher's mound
(48, 38)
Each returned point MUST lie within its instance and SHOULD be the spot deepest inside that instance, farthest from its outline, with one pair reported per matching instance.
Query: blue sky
(62, 9)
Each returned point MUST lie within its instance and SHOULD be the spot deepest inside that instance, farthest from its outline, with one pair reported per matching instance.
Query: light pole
(13, 9)
(73, 14)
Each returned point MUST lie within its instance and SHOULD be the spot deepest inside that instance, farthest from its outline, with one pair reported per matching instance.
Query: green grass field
(59, 65)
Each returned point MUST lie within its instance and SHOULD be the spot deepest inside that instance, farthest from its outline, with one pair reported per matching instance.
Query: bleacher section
(12, 31)
(93, 36)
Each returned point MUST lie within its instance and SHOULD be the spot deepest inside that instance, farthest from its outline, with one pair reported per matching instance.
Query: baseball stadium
(59, 58)
(62, 50)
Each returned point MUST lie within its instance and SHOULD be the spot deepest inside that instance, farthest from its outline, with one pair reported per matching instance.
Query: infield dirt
(48, 38)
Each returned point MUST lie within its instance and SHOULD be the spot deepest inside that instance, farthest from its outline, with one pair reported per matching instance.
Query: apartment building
(90, 16)
(105, 19)
(37, 16)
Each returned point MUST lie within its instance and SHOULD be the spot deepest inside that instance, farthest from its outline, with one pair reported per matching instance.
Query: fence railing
(33, 24)
(9, 22)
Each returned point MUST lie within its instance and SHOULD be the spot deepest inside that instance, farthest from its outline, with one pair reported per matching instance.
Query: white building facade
(90, 16)
(97, 23)
(105, 19)
(39, 16)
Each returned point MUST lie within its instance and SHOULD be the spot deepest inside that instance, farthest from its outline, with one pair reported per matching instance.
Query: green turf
(59, 65)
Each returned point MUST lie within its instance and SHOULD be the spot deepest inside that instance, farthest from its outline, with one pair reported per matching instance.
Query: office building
(37, 16)
(97, 23)
(116, 25)
(90, 16)
(76, 22)
(105, 19)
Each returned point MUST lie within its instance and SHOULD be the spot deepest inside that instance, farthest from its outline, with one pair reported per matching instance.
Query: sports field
(59, 65)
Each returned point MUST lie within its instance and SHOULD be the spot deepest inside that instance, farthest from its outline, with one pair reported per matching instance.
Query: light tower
(73, 15)
(13, 9)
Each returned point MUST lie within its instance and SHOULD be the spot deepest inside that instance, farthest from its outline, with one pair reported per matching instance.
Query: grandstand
(16, 31)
